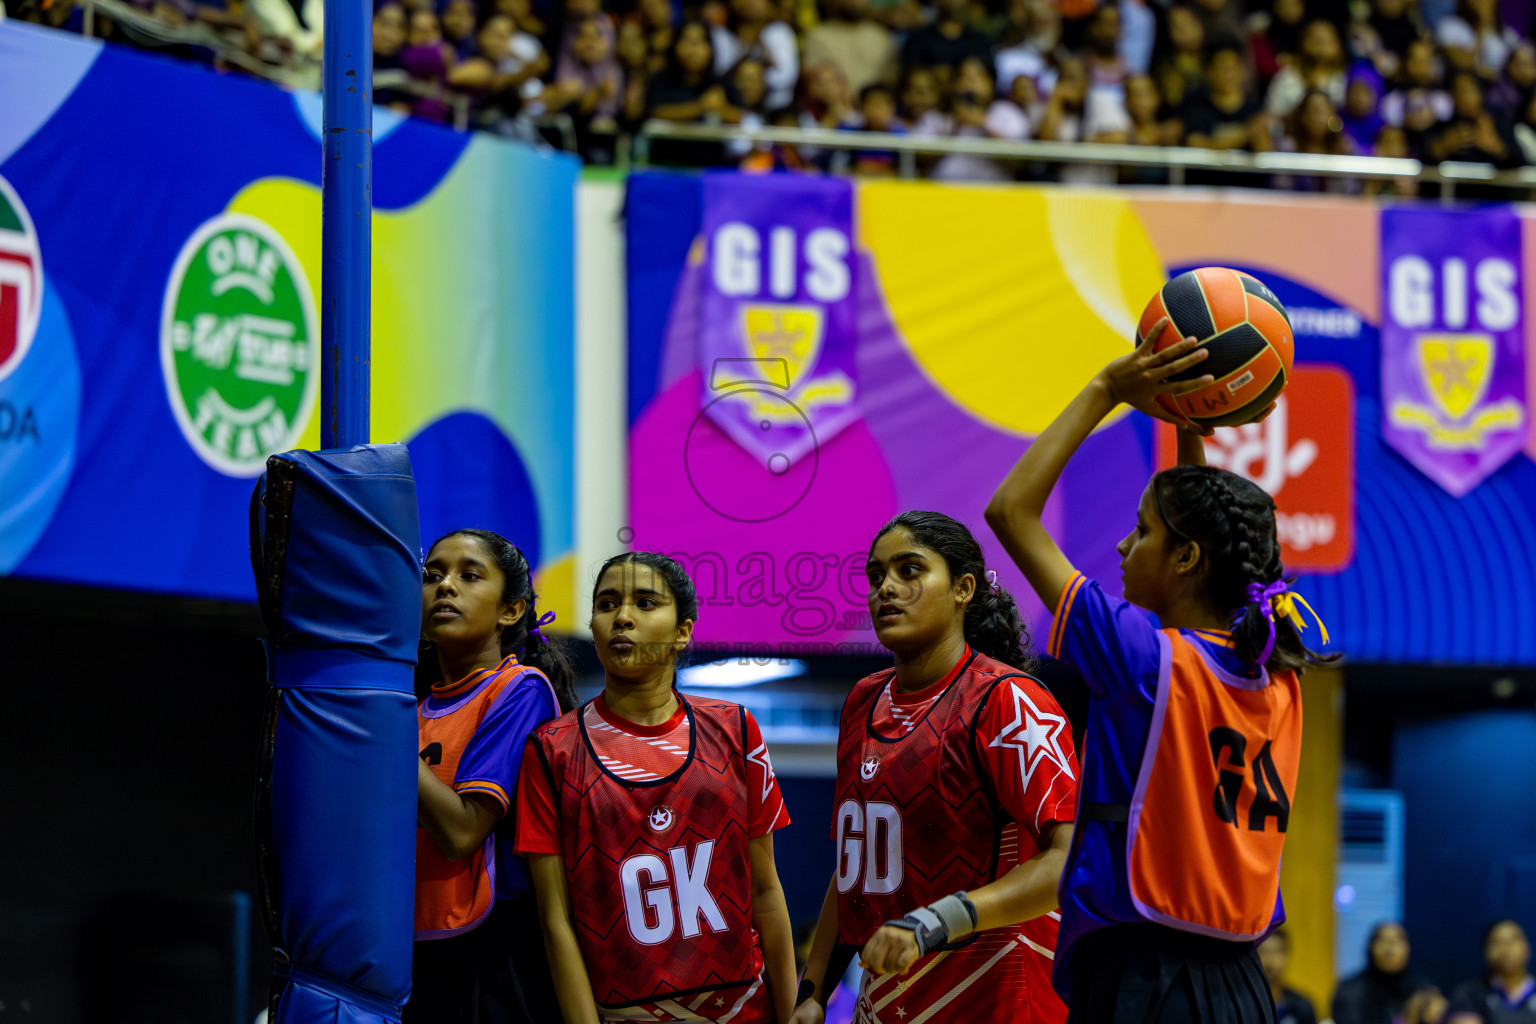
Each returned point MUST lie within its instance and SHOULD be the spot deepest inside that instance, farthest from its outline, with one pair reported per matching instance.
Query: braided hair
(549, 655)
(992, 622)
(1233, 521)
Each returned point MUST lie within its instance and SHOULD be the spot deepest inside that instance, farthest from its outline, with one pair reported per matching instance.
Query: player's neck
(648, 701)
(918, 670)
(1186, 611)
(456, 664)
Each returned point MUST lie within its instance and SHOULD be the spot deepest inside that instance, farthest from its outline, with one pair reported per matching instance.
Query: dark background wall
(1470, 822)
(127, 872)
(1460, 745)
(126, 861)
(127, 875)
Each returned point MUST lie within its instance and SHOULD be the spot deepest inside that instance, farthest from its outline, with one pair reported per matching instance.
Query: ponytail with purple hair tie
(542, 620)
(1278, 598)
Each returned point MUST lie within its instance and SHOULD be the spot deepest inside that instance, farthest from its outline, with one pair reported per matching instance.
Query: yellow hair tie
(1285, 606)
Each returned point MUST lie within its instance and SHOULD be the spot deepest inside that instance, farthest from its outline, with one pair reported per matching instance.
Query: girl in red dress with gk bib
(647, 818)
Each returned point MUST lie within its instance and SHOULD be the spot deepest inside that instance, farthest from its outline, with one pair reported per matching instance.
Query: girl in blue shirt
(1195, 716)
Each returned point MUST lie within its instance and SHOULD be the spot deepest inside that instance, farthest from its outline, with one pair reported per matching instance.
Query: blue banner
(159, 279)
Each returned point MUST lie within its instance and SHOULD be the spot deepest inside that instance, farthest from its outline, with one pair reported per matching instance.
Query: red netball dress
(942, 790)
(653, 825)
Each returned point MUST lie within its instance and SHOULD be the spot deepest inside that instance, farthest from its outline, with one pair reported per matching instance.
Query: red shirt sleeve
(538, 823)
(1025, 744)
(765, 804)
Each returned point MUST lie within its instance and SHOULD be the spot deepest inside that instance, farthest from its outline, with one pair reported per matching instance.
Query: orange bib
(455, 896)
(1213, 796)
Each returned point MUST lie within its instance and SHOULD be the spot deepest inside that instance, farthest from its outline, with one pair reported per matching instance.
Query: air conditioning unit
(1369, 886)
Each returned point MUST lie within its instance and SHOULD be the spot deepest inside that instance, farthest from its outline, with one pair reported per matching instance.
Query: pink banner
(776, 316)
(1453, 382)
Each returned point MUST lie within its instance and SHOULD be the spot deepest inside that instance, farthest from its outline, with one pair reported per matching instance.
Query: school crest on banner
(1453, 378)
(777, 304)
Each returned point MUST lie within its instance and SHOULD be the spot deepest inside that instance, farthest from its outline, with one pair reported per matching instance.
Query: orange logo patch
(1304, 456)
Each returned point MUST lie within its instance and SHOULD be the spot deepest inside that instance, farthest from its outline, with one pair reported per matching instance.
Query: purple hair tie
(992, 581)
(1264, 596)
(543, 620)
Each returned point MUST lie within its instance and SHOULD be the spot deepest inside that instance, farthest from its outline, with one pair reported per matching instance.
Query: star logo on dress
(1035, 734)
(759, 757)
(869, 767)
(661, 819)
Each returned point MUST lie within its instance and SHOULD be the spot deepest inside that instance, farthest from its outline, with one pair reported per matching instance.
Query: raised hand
(1139, 378)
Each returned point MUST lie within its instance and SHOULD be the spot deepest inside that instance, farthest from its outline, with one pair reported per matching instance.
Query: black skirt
(1149, 974)
(494, 974)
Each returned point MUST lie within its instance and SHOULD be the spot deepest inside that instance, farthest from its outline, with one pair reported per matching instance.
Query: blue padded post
(335, 547)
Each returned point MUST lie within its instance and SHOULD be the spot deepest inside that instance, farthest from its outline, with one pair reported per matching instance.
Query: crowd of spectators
(1434, 79)
(1388, 991)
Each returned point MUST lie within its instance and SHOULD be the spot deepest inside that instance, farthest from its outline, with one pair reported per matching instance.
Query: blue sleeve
(494, 755)
(1114, 645)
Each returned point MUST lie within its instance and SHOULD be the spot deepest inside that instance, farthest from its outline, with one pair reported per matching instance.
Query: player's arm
(1029, 890)
(813, 1010)
(459, 817)
(1016, 509)
(770, 916)
(1191, 448)
(457, 824)
(1023, 894)
(766, 812)
(1040, 802)
(1192, 444)
(573, 988)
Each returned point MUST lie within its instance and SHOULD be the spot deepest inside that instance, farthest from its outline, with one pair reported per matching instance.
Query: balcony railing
(1177, 161)
(1447, 177)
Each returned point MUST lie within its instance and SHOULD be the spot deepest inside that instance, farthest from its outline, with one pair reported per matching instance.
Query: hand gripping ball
(1247, 332)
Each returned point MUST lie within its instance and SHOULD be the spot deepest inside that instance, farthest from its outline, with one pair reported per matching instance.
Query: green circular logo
(239, 344)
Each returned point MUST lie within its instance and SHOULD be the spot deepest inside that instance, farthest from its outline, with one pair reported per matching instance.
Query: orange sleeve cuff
(1062, 610)
(490, 789)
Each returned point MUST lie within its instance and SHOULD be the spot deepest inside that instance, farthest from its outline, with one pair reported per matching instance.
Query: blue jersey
(480, 726)
(1119, 651)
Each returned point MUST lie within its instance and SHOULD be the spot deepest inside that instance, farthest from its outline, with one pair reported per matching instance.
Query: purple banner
(777, 313)
(1453, 384)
